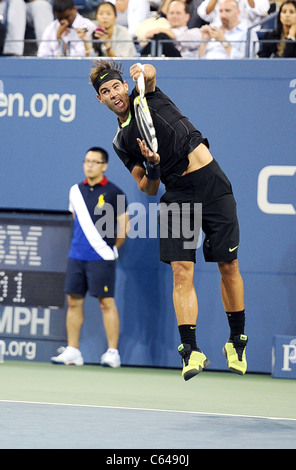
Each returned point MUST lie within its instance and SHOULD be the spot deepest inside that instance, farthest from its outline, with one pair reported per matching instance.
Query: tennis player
(189, 172)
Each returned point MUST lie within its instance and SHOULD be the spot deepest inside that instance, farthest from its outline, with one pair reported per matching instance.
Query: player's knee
(182, 272)
(229, 270)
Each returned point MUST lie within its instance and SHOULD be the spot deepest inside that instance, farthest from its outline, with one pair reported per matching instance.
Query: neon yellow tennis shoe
(193, 361)
(235, 353)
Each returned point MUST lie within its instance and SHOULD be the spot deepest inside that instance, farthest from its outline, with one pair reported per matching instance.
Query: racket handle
(141, 85)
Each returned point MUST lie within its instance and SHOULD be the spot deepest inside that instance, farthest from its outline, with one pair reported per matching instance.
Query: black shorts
(208, 195)
(95, 277)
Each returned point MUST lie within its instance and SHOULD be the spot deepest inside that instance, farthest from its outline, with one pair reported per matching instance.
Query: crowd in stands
(203, 29)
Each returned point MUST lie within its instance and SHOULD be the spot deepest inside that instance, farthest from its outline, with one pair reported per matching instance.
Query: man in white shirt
(251, 11)
(187, 41)
(227, 41)
(68, 33)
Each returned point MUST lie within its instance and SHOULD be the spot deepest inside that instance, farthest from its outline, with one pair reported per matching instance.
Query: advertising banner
(33, 255)
(50, 116)
(284, 357)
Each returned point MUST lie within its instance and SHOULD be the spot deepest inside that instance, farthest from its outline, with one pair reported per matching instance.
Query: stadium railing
(263, 26)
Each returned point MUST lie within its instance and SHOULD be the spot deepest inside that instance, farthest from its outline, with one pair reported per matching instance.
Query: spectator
(131, 12)
(285, 31)
(227, 41)
(36, 13)
(195, 21)
(69, 34)
(92, 256)
(164, 6)
(112, 34)
(185, 41)
(251, 11)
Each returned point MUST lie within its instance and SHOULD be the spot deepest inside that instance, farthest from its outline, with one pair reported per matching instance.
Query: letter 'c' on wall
(262, 190)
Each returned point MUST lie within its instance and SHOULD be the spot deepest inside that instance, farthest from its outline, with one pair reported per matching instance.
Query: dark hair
(279, 27)
(63, 5)
(107, 3)
(100, 150)
(186, 5)
(102, 67)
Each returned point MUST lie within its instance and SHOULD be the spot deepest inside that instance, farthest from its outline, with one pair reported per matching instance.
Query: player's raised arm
(149, 73)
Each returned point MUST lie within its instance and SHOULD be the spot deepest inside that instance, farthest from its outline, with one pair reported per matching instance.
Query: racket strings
(145, 123)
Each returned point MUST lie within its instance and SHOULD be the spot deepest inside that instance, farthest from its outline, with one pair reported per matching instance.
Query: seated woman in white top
(117, 40)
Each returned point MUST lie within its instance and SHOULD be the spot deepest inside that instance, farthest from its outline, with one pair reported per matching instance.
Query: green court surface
(260, 410)
(209, 392)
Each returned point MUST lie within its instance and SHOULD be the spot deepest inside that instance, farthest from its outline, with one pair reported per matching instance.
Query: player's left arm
(148, 179)
(149, 72)
(122, 229)
(149, 187)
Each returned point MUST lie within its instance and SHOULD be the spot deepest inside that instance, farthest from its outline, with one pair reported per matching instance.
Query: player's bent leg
(186, 309)
(184, 294)
(232, 291)
(232, 286)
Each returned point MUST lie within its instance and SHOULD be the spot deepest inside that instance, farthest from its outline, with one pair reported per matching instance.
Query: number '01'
(4, 282)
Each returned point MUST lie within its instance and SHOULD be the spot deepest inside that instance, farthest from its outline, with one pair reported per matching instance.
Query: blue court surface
(43, 406)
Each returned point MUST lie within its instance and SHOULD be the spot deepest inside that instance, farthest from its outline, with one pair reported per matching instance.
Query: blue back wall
(49, 117)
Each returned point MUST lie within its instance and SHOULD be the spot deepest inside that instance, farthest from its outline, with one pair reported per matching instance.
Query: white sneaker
(68, 356)
(111, 358)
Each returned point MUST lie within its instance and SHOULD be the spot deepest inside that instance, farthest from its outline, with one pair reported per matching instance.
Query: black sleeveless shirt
(176, 136)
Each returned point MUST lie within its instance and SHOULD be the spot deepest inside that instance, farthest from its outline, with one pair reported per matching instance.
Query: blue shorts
(95, 277)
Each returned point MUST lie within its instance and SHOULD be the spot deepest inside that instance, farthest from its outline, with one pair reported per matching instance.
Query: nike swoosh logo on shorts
(232, 249)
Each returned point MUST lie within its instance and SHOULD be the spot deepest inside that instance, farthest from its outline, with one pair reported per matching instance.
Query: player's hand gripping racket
(143, 117)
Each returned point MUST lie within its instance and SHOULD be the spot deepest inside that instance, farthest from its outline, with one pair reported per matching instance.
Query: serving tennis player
(184, 164)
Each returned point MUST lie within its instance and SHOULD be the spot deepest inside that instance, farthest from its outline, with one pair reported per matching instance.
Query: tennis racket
(143, 117)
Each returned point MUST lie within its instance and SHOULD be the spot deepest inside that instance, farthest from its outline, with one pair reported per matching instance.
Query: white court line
(202, 413)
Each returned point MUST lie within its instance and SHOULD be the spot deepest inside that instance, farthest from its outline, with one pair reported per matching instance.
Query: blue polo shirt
(104, 207)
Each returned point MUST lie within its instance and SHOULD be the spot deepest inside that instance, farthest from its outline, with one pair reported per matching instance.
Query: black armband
(152, 171)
